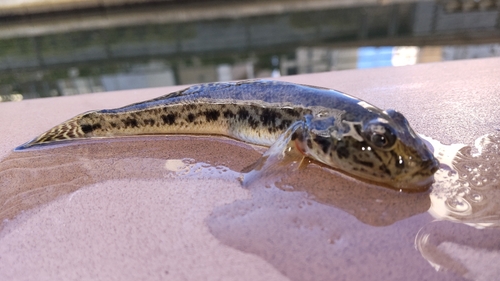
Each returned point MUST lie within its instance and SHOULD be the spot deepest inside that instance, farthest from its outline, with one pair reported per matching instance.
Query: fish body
(331, 127)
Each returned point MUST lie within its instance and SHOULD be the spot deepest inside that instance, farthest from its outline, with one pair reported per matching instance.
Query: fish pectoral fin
(257, 165)
(281, 157)
(304, 162)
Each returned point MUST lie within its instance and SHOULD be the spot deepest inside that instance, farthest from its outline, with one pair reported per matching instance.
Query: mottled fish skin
(329, 126)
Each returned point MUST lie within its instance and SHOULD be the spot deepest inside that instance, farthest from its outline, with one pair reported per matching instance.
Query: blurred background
(67, 47)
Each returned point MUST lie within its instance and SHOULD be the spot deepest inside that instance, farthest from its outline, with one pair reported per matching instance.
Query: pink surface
(173, 207)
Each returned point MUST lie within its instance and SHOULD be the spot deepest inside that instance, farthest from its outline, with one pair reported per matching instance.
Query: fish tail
(79, 127)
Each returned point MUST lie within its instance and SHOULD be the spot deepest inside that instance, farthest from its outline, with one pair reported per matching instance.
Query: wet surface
(33, 178)
(310, 223)
(466, 192)
(460, 249)
(469, 191)
(121, 210)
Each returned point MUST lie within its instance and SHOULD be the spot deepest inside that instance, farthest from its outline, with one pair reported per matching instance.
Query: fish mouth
(422, 179)
(427, 168)
(430, 165)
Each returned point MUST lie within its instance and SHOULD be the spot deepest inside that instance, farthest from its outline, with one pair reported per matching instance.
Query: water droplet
(458, 204)
(476, 197)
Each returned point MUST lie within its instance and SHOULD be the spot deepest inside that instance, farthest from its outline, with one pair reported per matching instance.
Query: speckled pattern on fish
(326, 125)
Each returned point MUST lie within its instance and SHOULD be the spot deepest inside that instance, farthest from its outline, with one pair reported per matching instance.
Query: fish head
(384, 149)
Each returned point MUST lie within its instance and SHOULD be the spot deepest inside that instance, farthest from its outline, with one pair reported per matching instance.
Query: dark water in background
(106, 49)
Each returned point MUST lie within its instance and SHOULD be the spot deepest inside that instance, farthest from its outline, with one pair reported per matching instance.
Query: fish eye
(379, 134)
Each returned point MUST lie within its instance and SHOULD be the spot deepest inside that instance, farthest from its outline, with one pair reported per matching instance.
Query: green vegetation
(341, 19)
(17, 47)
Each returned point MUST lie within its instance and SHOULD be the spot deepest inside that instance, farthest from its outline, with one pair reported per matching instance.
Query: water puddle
(34, 178)
(467, 190)
(189, 168)
(315, 216)
(460, 249)
(465, 239)
(311, 223)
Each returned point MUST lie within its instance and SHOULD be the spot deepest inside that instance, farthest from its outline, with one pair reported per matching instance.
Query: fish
(339, 130)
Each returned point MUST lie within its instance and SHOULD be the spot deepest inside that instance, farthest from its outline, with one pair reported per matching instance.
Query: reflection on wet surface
(33, 178)
(468, 192)
(372, 204)
(461, 249)
(310, 223)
